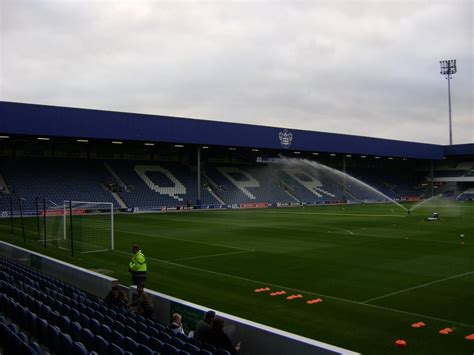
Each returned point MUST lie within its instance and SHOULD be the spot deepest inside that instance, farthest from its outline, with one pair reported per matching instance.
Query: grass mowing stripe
(307, 292)
(400, 238)
(330, 214)
(212, 255)
(416, 287)
(181, 240)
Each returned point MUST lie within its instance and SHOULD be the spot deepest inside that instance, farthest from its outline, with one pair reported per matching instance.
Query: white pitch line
(307, 292)
(182, 240)
(416, 287)
(211, 256)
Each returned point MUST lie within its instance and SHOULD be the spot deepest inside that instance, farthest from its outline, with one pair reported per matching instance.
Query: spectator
(137, 266)
(116, 298)
(176, 326)
(123, 298)
(142, 305)
(219, 339)
(204, 325)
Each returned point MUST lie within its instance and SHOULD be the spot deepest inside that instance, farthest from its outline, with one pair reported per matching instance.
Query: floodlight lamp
(448, 67)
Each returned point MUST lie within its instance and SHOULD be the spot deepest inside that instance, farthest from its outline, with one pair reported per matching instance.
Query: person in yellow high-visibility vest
(137, 266)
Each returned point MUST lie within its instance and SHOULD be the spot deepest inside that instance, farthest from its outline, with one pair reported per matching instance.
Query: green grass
(376, 269)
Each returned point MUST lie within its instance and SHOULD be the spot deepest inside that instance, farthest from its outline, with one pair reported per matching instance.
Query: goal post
(81, 226)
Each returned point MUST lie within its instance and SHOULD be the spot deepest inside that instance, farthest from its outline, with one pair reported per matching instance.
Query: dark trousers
(138, 278)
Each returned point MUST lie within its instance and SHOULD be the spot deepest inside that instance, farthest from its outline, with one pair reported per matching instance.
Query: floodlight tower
(448, 68)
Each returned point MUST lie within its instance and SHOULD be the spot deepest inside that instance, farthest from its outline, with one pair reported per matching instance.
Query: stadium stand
(164, 184)
(157, 185)
(467, 195)
(39, 314)
(55, 180)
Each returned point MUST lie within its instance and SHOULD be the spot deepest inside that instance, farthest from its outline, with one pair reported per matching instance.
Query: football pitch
(376, 269)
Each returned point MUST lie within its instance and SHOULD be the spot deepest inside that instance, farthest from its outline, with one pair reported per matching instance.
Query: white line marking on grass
(307, 292)
(416, 287)
(211, 256)
(182, 240)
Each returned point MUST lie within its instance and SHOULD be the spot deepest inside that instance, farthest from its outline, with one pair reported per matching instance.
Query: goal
(80, 226)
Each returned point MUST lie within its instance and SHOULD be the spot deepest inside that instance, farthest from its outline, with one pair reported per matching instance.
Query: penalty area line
(416, 287)
(181, 240)
(307, 292)
(211, 256)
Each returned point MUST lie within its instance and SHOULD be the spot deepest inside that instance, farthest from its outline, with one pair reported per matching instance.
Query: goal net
(83, 227)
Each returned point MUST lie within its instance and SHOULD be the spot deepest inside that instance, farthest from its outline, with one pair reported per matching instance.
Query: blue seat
(196, 342)
(177, 343)
(32, 322)
(87, 339)
(119, 327)
(165, 337)
(11, 308)
(75, 315)
(120, 317)
(169, 349)
(75, 331)
(130, 345)
(153, 332)
(105, 331)
(144, 350)
(15, 343)
(38, 351)
(65, 341)
(20, 316)
(141, 327)
(65, 323)
(22, 336)
(156, 344)
(209, 347)
(131, 322)
(140, 318)
(130, 332)
(85, 321)
(53, 318)
(117, 338)
(53, 334)
(142, 338)
(183, 352)
(99, 316)
(101, 345)
(90, 312)
(114, 349)
(43, 331)
(149, 322)
(192, 349)
(205, 352)
(4, 333)
(182, 337)
(94, 326)
(108, 321)
(79, 349)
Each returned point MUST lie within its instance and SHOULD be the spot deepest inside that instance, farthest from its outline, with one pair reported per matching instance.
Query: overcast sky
(358, 67)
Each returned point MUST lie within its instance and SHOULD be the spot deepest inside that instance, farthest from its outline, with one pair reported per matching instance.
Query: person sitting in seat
(219, 339)
(176, 326)
(142, 304)
(204, 325)
(116, 298)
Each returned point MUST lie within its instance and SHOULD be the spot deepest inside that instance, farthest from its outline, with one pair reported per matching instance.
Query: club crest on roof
(286, 138)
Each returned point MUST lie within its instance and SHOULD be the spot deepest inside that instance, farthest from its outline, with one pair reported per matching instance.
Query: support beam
(198, 202)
